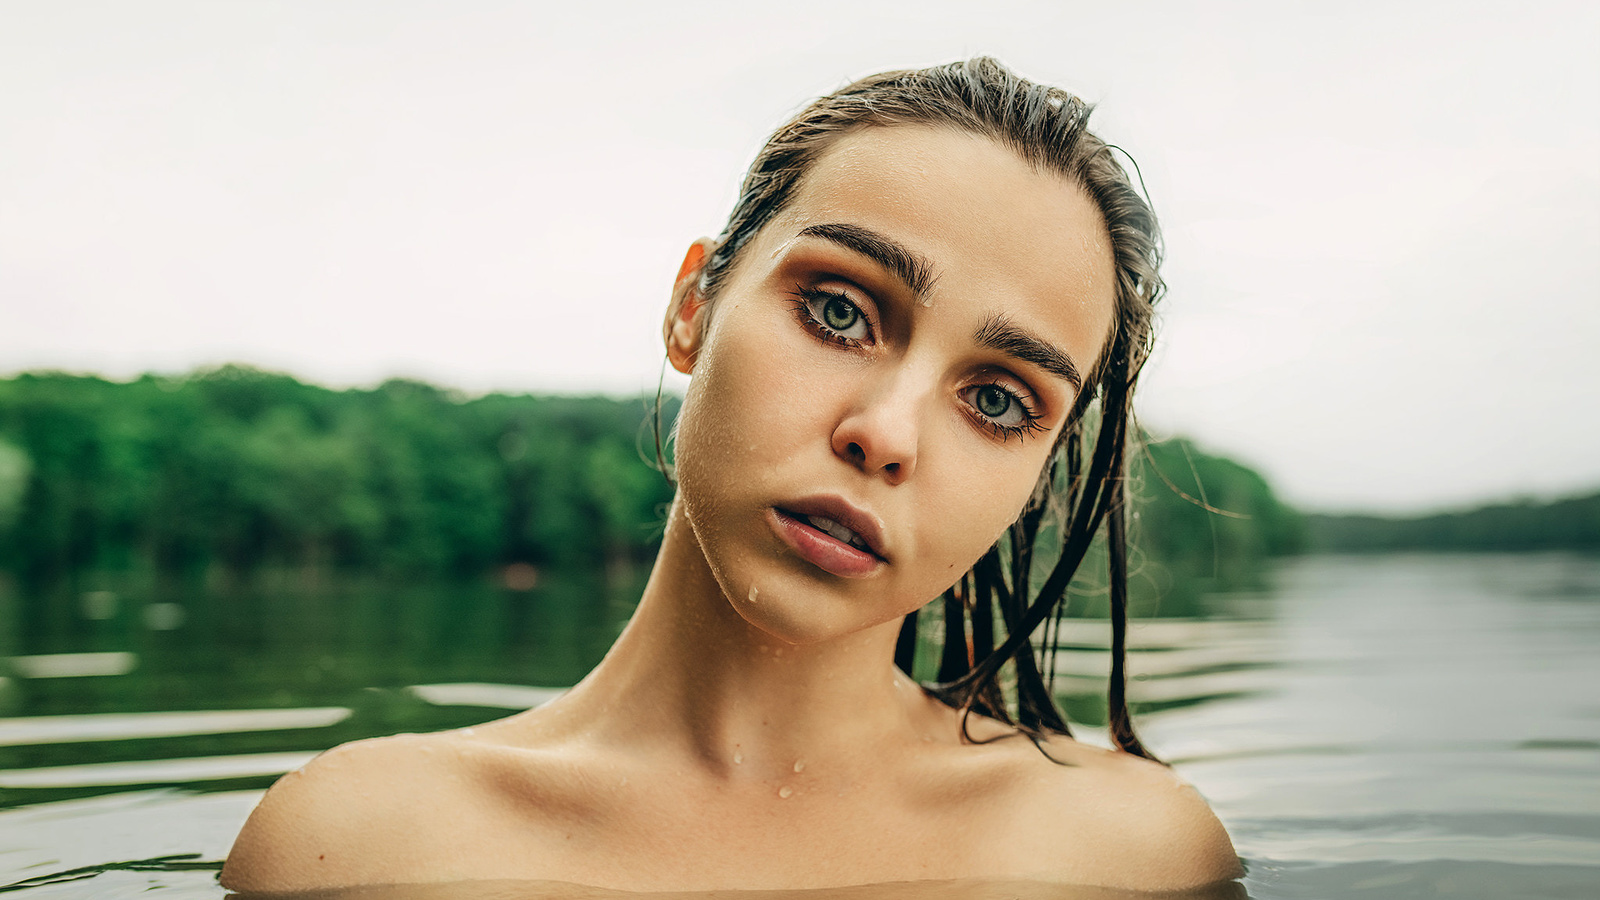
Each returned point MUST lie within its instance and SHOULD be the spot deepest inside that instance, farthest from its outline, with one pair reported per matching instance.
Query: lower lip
(821, 549)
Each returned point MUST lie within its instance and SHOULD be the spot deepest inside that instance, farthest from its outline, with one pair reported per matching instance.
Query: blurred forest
(239, 469)
(233, 471)
(1572, 523)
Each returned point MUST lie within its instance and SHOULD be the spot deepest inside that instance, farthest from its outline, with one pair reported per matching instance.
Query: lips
(831, 534)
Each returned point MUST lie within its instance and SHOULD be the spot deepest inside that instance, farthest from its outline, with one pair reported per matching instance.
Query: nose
(878, 435)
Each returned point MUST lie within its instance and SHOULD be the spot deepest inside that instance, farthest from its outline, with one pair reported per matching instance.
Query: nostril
(855, 451)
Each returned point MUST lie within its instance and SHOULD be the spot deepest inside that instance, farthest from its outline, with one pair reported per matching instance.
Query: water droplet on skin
(785, 792)
(799, 766)
(738, 758)
(778, 652)
(753, 593)
(466, 732)
(784, 246)
(927, 301)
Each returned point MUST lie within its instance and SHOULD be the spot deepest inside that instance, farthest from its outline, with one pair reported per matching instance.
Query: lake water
(1367, 727)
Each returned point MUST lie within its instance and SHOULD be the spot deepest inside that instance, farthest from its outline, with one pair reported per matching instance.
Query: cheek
(981, 493)
(742, 421)
(703, 454)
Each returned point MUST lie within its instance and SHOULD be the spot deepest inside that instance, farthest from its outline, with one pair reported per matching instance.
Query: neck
(690, 675)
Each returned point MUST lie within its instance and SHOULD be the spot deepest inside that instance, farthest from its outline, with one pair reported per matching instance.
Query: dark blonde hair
(1080, 492)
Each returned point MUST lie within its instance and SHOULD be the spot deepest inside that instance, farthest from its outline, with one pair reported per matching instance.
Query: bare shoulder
(347, 817)
(1139, 824)
(1064, 811)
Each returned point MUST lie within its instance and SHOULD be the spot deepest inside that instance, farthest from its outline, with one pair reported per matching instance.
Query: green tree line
(243, 469)
(1523, 526)
(240, 468)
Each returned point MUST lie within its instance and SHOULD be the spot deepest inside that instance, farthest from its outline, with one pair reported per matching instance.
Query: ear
(684, 329)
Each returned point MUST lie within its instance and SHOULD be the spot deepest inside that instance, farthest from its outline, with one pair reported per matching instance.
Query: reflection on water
(964, 889)
(121, 726)
(156, 771)
(73, 665)
(112, 876)
(491, 696)
(1369, 727)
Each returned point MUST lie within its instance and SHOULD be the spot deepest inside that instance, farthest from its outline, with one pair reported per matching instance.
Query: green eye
(992, 401)
(840, 314)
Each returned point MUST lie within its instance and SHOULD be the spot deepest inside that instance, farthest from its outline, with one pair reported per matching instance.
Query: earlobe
(684, 327)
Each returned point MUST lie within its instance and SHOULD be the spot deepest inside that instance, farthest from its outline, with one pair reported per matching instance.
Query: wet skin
(749, 729)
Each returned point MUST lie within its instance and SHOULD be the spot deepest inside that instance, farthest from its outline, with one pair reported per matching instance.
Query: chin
(785, 617)
(800, 612)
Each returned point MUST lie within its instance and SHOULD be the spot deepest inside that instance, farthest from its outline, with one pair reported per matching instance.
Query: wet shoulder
(359, 813)
(1130, 822)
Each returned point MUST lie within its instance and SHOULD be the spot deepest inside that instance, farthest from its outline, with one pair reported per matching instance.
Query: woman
(894, 347)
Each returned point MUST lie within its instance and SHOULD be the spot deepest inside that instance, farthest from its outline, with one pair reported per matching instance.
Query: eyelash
(801, 300)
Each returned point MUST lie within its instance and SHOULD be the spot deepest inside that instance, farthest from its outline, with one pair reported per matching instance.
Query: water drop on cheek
(799, 766)
(738, 758)
(785, 792)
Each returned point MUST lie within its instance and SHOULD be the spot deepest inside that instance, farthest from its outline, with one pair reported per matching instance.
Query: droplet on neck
(799, 766)
(785, 792)
(737, 757)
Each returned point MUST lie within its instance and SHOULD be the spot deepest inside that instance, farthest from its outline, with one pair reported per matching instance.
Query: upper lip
(864, 524)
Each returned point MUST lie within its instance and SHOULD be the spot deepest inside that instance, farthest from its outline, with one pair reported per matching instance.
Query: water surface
(1383, 727)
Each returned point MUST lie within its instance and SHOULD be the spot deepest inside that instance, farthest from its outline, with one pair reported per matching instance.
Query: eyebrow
(999, 333)
(911, 268)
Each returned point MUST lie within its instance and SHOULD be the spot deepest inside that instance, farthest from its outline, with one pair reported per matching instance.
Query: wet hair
(1080, 492)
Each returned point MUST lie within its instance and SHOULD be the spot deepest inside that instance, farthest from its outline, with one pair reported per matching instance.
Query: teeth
(835, 530)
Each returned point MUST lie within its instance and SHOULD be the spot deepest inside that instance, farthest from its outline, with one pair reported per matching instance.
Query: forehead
(1002, 235)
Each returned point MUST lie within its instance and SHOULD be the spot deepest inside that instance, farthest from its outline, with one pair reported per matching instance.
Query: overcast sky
(1383, 220)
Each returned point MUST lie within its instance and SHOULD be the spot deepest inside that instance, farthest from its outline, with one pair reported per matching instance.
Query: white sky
(1383, 219)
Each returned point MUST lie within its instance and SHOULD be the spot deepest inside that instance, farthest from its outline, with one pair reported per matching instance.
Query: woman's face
(883, 376)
